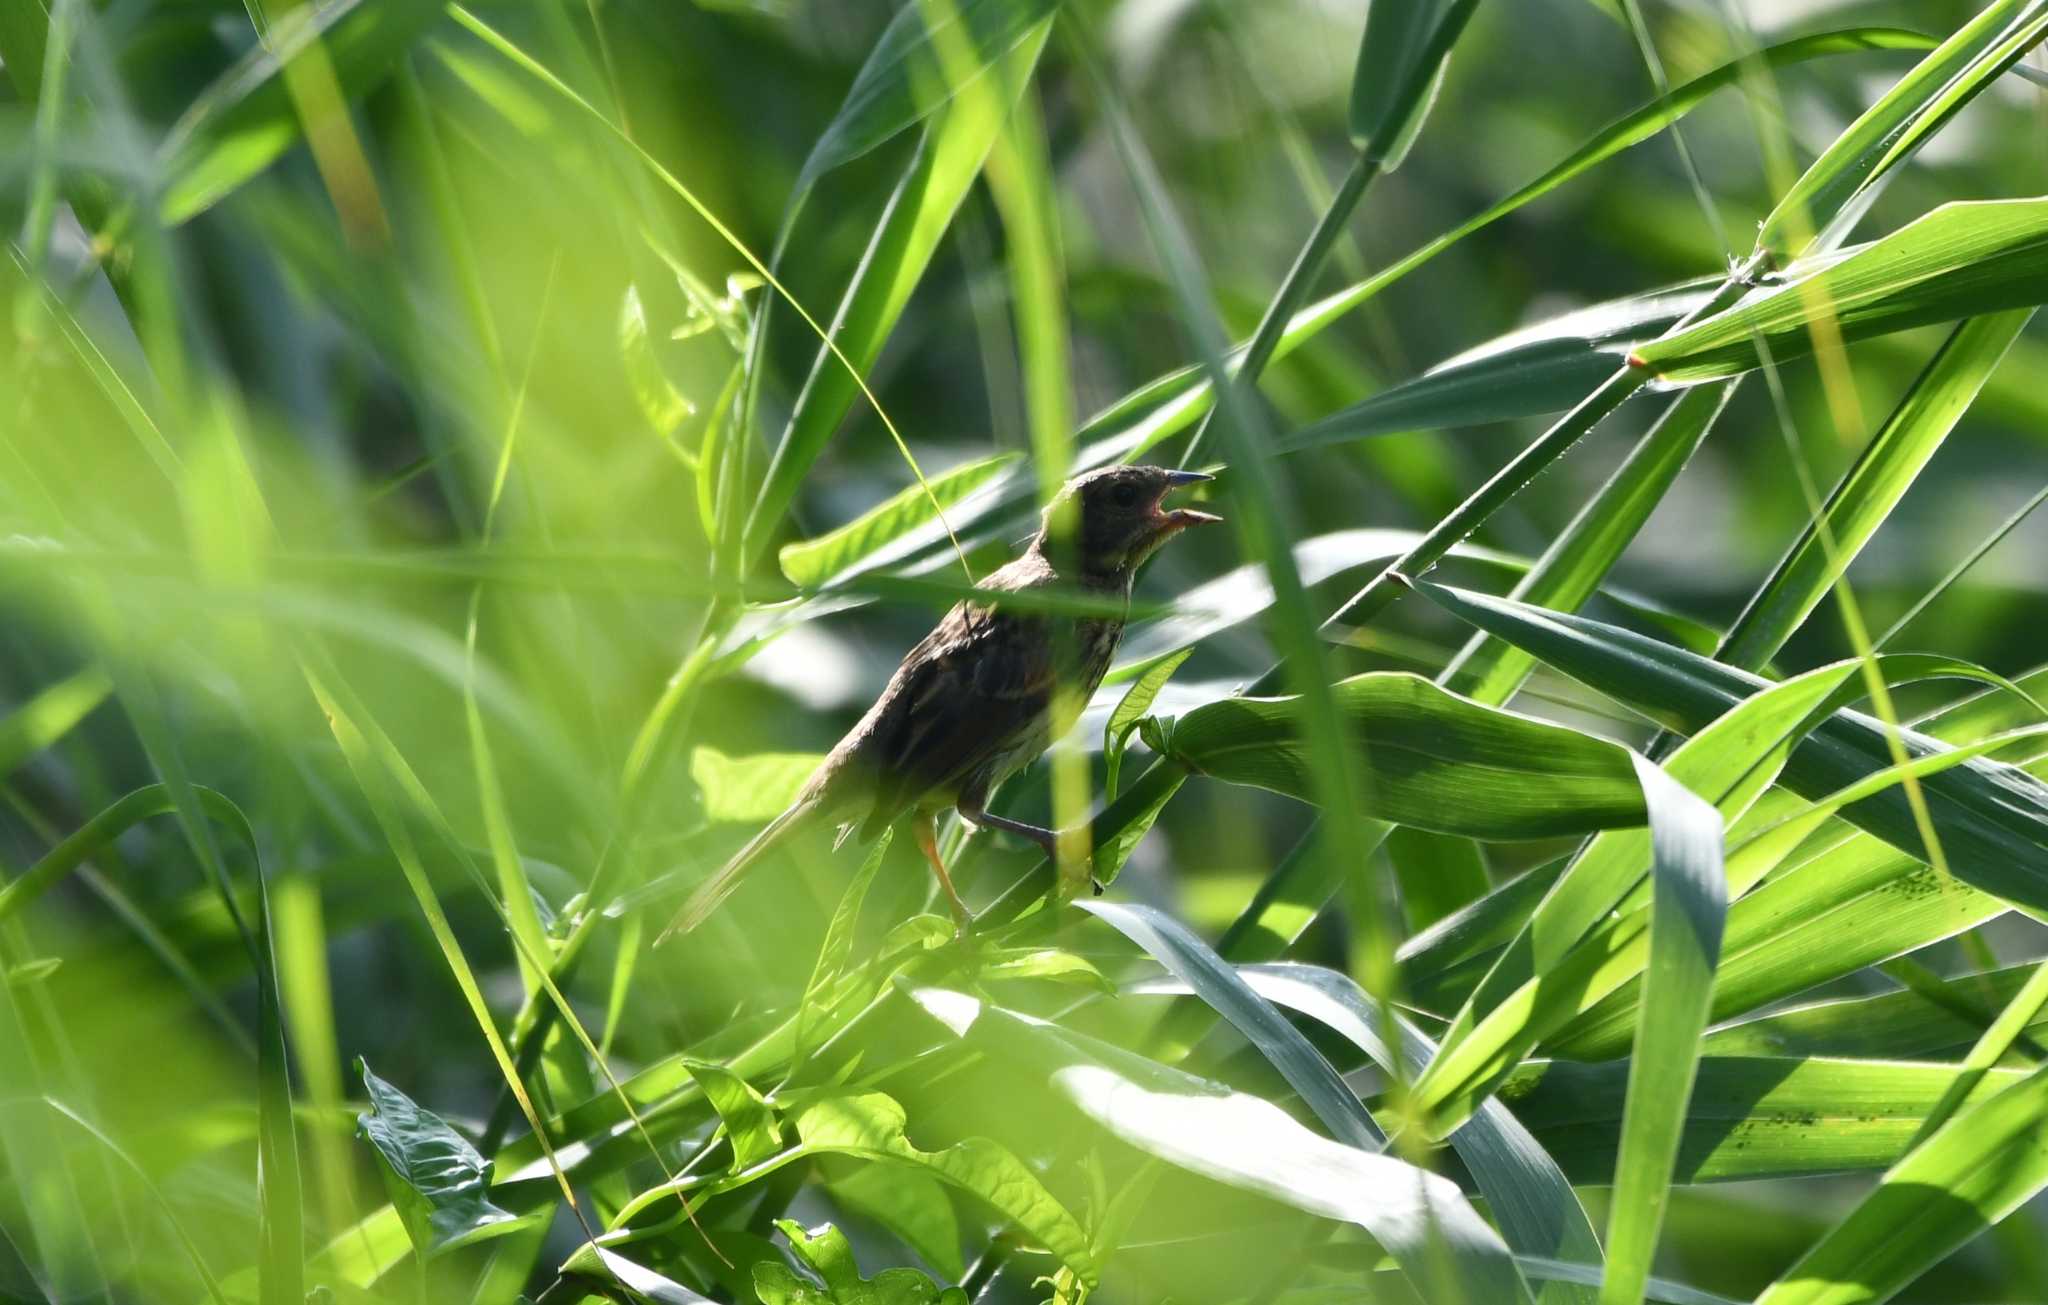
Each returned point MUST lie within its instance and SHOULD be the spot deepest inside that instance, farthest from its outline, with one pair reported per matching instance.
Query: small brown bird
(986, 691)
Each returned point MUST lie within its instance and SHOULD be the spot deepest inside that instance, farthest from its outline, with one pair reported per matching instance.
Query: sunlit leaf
(826, 1252)
(438, 1181)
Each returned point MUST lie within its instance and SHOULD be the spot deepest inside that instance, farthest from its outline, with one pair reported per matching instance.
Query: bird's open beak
(1182, 518)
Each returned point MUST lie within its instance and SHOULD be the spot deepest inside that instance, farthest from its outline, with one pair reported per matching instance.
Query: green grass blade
(1834, 189)
(1901, 1025)
(956, 143)
(1688, 906)
(49, 716)
(853, 547)
(1870, 489)
(1961, 260)
(1401, 62)
(1211, 978)
(1979, 1168)
(1993, 818)
(1571, 569)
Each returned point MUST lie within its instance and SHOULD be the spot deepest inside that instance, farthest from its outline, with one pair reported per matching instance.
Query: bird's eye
(1124, 496)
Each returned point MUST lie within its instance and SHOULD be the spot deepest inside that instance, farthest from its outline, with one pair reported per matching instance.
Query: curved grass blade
(1212, 979)
(1130, 709)
(1688, 906)
(1979, 1168)
(1902, 1025)
(1209, 1129)
(928, 50)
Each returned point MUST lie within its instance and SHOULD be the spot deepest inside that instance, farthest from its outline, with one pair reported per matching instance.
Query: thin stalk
(1288, 298)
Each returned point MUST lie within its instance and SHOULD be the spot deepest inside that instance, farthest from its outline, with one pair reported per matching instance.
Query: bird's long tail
(709, 895)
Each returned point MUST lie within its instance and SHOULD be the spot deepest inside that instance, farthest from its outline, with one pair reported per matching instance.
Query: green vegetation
(462, 464)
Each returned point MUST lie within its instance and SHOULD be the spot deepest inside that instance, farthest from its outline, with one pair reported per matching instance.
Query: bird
(987, 691)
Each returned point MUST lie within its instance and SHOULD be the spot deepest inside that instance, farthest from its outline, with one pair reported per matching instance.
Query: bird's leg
(1048, 840)
(922, 825)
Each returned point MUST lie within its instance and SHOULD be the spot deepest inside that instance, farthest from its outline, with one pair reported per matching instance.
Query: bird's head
(1112, 519)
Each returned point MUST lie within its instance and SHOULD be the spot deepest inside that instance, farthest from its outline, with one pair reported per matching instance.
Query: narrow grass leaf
(814, 563)
(1980, 1167)
(1688, 906)
(1130, 709)
(1872, 487)
(1538, 1212)
(49, 716)
(1401, 62)
(920, 62)
(1578, 560)
(749, 1122)
(1836, 187)
(1241, 1140)
(1900, 1025)
(1437, 874)
(1961, 260)
(1214, 981)
(246, 119)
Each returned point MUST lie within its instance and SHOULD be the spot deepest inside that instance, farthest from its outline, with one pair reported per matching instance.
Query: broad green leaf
(1528, 372)
(1872, 487)
(1901, 1025)
(870, 1125)
(436, 1179)
(1231, 1137)
(1572, 568)
(608, 1266)
(1961, 260)
(1529, 1197)
(826, 1252)
(1749, 1117)
(1980, 1167)
(240, 125)
(1401, 62)
(749, 1121)
(1137, 700)
(1688, 906)
(814, 563)
(1431, 759)
(49, 716)
(924, 55)
(1129, 817)
(1993, 817)
(1826, 201)
(956, 141)
(752, 789)
(1212, 979)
